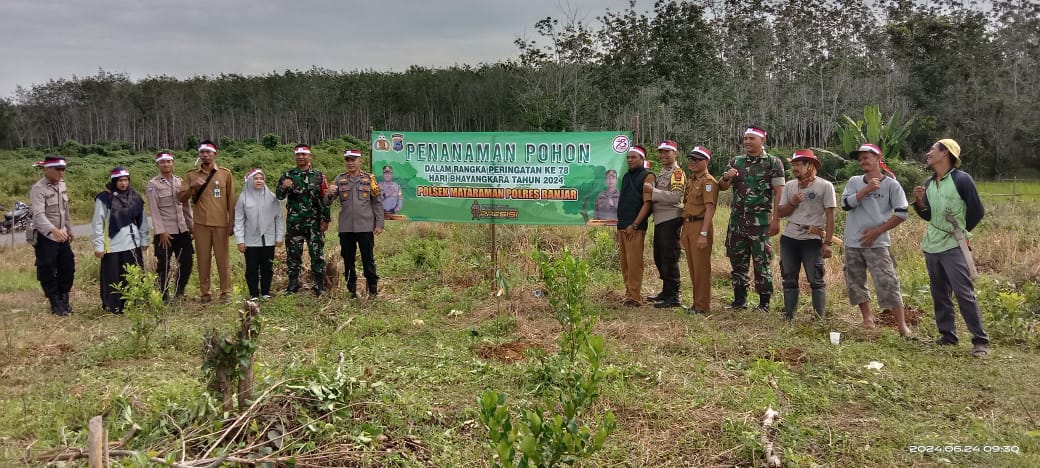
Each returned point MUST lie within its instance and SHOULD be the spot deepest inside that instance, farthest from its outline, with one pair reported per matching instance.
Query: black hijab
(124, 206)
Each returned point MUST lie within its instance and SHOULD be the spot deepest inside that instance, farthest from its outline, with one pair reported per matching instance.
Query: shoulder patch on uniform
(707, 187)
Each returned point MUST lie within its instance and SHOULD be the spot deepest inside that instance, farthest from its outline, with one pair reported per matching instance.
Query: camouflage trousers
(879, 262)
(295, 235)
(750, 245)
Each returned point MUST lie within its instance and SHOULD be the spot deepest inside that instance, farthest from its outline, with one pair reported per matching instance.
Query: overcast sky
(42, 39)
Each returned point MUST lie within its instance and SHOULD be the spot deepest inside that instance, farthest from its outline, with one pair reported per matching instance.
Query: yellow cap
(954, 148)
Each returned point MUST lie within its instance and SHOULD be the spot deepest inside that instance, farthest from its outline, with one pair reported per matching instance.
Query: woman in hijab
(120, 234)
(259, 227)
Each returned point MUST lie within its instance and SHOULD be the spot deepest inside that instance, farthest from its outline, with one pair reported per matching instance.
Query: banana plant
(890, 136)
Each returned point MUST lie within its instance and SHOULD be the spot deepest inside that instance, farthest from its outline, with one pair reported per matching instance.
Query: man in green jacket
(950, 202)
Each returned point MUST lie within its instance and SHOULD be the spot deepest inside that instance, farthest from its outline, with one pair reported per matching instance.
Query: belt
(694, 218)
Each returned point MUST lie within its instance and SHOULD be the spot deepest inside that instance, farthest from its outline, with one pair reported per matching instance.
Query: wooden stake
(96, 443)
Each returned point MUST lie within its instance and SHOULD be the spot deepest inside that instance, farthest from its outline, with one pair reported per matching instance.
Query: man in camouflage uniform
(307, 218)
(360, 220)
(757, 179)
(666, 193)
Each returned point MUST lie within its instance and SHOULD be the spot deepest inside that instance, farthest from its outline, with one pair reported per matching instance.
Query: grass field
(403, 373)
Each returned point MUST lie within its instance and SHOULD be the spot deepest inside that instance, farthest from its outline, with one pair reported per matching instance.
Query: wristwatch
(704, 233)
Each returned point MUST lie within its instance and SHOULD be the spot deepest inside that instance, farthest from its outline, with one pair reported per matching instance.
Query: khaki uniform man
(698, 234)
(211, 191)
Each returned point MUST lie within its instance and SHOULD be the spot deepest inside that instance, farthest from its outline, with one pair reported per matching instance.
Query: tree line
(694, 71)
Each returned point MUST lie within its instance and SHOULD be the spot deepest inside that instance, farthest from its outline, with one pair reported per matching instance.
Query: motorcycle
(17, 219)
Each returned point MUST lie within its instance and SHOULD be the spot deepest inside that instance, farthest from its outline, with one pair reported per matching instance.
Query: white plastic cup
(835, 338)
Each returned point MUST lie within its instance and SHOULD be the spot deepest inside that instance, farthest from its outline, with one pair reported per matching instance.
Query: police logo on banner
(398, 141)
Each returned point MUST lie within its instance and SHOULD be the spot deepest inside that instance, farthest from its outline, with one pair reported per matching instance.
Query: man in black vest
(632, 212)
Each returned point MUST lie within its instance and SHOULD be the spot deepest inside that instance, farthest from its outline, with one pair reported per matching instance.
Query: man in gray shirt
(808, 204)
(875, 203)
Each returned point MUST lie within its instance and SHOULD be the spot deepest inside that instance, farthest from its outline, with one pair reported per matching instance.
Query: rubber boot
(790, 303)
(373, 289)
(319, 285)
(819, 302)
(739, 299)
(763, 302)
(294, 285)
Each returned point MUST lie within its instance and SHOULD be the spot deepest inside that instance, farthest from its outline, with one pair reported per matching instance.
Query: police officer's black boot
(373, 289)
(763, 302)
(65, 303)
(739, 299)
(790, 303)
(819, 302)
(56, 306)
(669, 297)
(294, 285)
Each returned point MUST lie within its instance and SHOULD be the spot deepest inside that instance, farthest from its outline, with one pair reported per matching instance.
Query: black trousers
(349, 243)
(113, 267)
(666, 255)
(180, 249)
(55, 265)
(259, 265)
(796, 255)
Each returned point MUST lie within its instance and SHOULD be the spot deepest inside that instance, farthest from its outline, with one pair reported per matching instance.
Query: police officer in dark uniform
(360, 220)
(55, 262)
(666, 193)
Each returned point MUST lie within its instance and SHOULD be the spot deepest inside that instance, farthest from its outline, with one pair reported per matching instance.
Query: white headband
(350, 153)
(667, 146)
(122, 173)
(302, 151)
(253, 173)
(207, 147)
(637, 150)
(164, 157)
(55, 163)
(756, 132)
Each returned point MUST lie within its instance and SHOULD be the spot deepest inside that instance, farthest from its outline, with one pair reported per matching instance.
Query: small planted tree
(556, 431)
(144, 305)
(228, 360)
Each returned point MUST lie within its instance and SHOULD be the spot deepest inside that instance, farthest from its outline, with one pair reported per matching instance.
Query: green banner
(501, 177)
